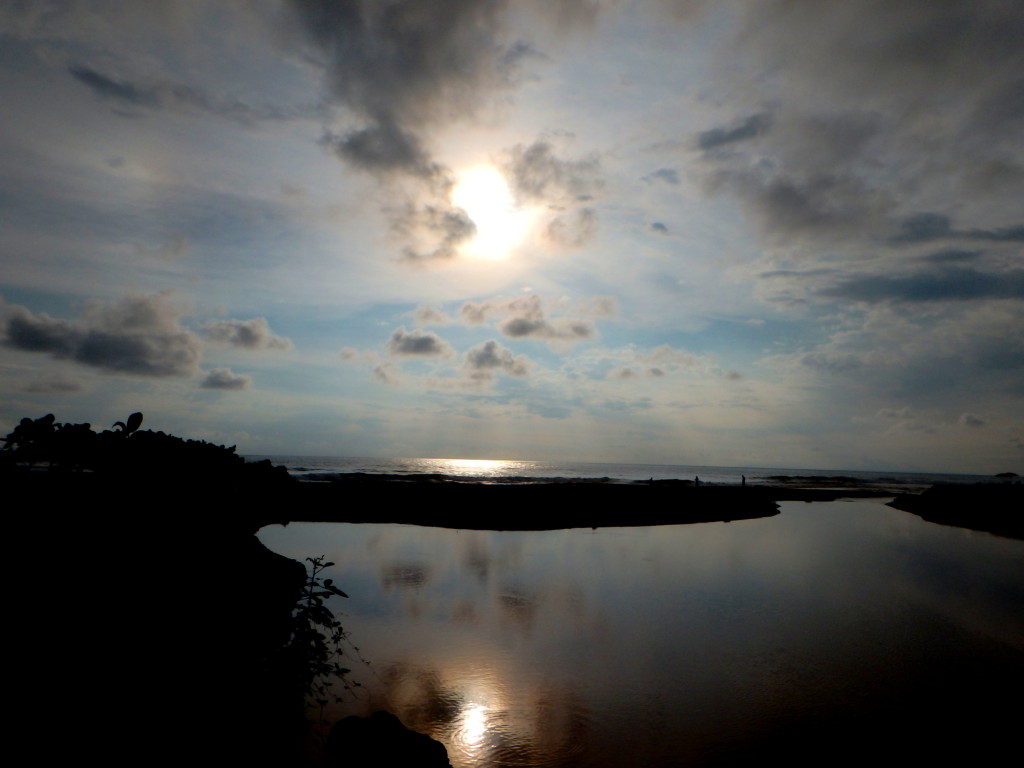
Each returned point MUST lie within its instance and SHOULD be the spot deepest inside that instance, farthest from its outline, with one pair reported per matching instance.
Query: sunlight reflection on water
(473, 467)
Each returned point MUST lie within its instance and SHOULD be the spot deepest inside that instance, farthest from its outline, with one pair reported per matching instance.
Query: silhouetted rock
(381, 740)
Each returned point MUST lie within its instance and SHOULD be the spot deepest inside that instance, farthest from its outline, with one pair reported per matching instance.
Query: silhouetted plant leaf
(134, 422)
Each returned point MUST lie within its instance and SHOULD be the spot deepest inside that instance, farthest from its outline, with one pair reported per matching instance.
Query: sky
(781, 233)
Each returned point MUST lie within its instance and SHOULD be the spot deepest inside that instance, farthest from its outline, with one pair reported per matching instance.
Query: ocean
(488, 470)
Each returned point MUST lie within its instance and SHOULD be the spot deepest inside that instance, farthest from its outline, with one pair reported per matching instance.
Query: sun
(484, 195)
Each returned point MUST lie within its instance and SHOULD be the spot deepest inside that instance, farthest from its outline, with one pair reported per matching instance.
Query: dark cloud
(246, 334)
(537, 175)
(40, 333)
(179, 97)
(818, 205)
(927, 227)
(949, 284)
(971, 420)
(437, 230)
(667, 175)
(953, 254)
(418, 343)
(525, 317)
(116, 90)
(400, 69)
(403, 67)
(137, 335)
(559, 328)
(383, 147)
(876, 109)
(225, 378)
(483, 361)
(752, 126)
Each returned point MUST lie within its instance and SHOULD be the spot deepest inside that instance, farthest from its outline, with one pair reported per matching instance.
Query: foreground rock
(381, 741)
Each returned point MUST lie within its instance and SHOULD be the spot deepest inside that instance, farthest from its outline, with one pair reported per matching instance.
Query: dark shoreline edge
(996, 508)
(525, 506)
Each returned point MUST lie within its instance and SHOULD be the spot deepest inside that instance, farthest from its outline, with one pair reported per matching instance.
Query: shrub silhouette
(132, 455)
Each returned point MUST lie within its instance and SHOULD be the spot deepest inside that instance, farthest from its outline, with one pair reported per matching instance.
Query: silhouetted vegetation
(191, 508)
(130, 454)
(317, 642)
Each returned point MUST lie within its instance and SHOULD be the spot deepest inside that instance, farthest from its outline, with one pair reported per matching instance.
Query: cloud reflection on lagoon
(687, 643)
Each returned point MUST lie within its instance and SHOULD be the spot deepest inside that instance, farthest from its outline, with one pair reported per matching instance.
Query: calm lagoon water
(820, 636)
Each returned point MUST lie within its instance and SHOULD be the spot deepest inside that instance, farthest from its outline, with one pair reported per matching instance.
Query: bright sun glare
(483, 193)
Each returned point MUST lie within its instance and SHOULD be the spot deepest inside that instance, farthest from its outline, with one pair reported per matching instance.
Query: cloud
(752, 126)
(382, 148)
(817, 205)
(483, 361)
(536, 175)
(245, 334)
(525, 317)
(928, 227)
(666, 175)
(110, 88)
(418, 343)
(136, 335)
(54, 383)
(597, 306)
(901, 420)
(436, 230)
(948, 284)
(429, 315)
(971, 420)
(419, 209)
(558, 328)
(405, 66)
(400, 70)
(874, 112)
(831, 363)
(940, 356)
(571, 230)
(548, 411)
(387, 373)
(178, 97)
(952, 254)
(225, 378)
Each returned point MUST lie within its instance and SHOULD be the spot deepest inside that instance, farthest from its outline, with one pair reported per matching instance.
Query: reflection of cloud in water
(684, 644)
(404, 576)
(519, 607)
